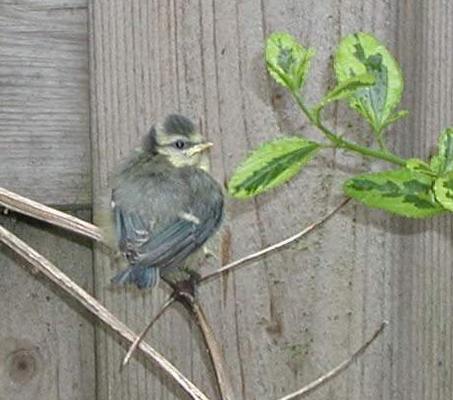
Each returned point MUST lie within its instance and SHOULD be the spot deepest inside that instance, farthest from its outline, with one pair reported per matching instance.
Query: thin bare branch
(39, 211)
(39, 263)
(215, 351)
(13, 201)
(142, 335)
(322, 380)
(276, 246)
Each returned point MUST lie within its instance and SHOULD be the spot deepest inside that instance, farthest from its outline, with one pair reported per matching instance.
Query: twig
(275, 246)
(215, 351)
(142, 335)
(39, 211)
(322, 380)
(23, 205)
(97, 309)
(36, 210)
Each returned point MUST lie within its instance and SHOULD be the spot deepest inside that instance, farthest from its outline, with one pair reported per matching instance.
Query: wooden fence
(81, 81)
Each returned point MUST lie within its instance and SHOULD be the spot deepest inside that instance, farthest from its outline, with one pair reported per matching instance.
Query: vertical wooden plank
(302, 311)
(46, 341)
(312, 286)
(422, 291)
(134, 81)
(44, 100)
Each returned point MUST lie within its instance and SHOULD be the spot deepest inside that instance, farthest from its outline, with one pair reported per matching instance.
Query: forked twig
(41, 264)
(214, 349)
(322, 380)
(39, 211)
(33, 209)
(142, 335)
(215, 353)
(275, 246)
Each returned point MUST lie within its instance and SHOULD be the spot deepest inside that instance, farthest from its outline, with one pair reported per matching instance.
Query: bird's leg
(187, 285)
(194, 276)
(190, 284)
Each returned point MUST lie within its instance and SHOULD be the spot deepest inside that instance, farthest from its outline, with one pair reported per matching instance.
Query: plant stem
(346, 144)
(381, 143)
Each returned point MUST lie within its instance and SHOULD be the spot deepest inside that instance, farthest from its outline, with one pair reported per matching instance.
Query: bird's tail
(141, 277)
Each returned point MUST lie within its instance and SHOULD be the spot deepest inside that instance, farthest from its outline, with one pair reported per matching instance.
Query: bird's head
(177, 140)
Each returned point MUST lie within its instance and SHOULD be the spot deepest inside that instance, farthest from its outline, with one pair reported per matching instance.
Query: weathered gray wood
(422, 256)
(46, 341)
(300, 312)
(44, 141)
(127, 40)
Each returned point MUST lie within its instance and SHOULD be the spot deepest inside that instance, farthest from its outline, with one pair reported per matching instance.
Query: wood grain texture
(422, 291)
(46, 341)
(44, 133)
(298, 313)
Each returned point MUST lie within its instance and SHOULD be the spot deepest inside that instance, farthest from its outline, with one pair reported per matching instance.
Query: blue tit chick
(165, 204)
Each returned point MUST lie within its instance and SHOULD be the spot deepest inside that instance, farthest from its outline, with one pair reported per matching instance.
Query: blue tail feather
(141, 277)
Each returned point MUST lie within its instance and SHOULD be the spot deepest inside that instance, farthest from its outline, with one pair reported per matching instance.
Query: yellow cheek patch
(179, 161)
(195, 137)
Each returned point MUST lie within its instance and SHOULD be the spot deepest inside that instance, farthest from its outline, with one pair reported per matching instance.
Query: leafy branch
(369, 79)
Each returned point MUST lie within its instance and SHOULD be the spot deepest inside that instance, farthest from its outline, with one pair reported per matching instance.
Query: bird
(165, 204)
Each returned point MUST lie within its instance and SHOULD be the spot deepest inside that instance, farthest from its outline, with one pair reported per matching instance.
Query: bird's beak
(198, 148)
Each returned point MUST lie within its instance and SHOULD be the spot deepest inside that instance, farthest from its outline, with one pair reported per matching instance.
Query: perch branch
(39, 211)
(275, 246)
(142, 335)
(41, 264)
(214, 349)
(36, 210)
(322, 380)
(23, 205)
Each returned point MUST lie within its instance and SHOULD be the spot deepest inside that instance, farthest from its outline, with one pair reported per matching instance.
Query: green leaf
(400, 191)
(443, 189)
(442, 163)
(361, 53)
(272, 164)
(347, 88)
(287, 61)
(395, 117)
(420, 166)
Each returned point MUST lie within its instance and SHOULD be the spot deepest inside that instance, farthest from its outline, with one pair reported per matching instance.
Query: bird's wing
(131, 231)
(177, 241)
(169, 243)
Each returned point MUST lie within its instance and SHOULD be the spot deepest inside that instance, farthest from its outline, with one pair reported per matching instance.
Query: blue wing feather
(141, 277)
(154, 249)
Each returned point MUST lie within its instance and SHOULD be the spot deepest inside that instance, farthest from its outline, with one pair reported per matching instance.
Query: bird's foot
(189, 285)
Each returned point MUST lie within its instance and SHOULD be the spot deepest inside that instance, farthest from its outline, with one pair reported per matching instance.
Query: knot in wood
(22, 366)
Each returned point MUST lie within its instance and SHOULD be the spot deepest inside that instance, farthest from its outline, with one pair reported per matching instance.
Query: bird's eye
(180, 144)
